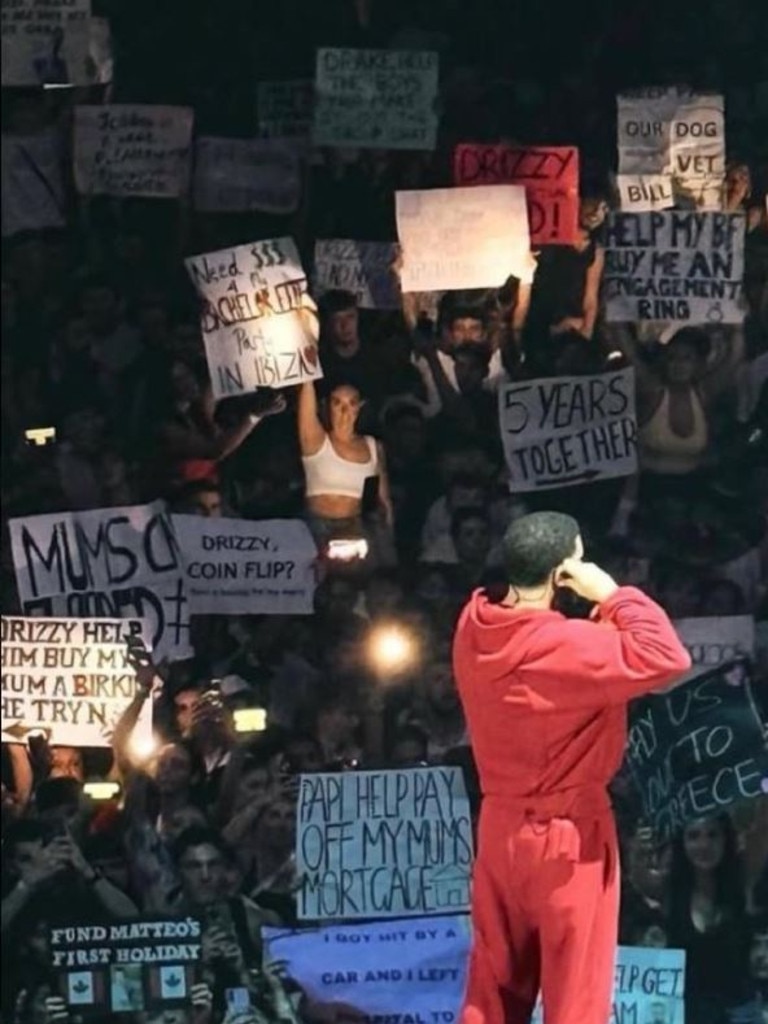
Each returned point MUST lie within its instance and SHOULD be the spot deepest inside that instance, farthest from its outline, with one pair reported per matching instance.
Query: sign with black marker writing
(133, 150)
(284, 109)
(640, 193)
(69, 679)
(105, 563)
(549, 174)
(561, 431)
(363, 268)
(711, 641)
(244, 567)
(455, 238)
(698, 748)
(383, 844)
(246, 174)
(45, 43)
(385, 99)
(674, 266)
(254, 332)
(126, 968)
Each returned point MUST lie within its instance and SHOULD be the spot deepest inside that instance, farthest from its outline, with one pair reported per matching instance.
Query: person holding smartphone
(545, 701)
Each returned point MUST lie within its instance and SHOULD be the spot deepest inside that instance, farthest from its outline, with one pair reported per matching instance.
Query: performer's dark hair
(536, 544)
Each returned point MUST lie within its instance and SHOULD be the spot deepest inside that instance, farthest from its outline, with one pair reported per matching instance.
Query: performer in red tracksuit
(545, 700)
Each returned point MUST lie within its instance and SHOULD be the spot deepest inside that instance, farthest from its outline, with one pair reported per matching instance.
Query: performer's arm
(632, 649)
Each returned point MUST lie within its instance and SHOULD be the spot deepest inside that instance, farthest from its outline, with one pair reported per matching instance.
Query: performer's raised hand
(586, 579)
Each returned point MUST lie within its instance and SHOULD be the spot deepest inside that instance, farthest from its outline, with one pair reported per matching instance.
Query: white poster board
(363, 268)
(562, 431)
(454, 238)
(45, 43)
(385, 99)
(714, 640)
(245, 567)
(383, 844)
(69, 679)
(233, 175)
(111, 563)
(674, 265)
(133, 150)
(255, 335)
(33, 193)
(640, 193)
(284, 109)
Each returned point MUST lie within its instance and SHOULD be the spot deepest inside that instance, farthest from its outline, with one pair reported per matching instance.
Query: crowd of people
(398, 446)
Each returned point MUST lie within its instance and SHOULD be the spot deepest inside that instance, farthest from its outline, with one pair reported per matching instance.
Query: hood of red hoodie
(498, 633)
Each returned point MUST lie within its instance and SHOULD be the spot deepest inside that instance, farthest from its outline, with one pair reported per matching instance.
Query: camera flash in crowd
(392, 649)
(141, 747)
(102, 790)
(250, 719)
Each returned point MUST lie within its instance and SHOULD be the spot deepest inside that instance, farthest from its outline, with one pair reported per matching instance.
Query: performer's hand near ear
(586, 579)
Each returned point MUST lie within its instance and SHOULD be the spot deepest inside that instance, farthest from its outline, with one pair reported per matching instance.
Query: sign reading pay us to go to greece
(561, 431)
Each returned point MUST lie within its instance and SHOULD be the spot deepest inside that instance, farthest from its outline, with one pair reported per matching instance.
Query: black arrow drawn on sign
(590, 474)
(20, 732)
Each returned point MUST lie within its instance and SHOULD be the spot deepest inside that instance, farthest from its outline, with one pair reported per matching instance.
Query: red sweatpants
(545, 901)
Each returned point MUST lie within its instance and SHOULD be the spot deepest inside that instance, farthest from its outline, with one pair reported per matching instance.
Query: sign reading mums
(45, 43)
(133, 151)
(562, 431)
(253, 325)
(385, 99)
(363, 268)
(698, 748)
(68, 678)
(383, 844)
(126, 968)
(111, 563)
(239, 567)
(674, 265)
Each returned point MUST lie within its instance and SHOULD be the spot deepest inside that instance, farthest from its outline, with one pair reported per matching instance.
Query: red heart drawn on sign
(310, 354)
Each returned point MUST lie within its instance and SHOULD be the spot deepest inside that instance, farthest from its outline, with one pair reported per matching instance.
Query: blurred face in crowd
(184, 704)
(67, 763)
(181, 820)
(434, 589)
(649, 863)
(341, 330)
(473, 540)
(704, 844)
(440, 688)
(337, 723)
(100, 306)
(464, 330)
(344, 407)
(304, 756)
(173, 772)
(278, 825)
(84, 430)
(758, 956)
(208, 504)
(253, 787)
(25, 855)
(203, 874)
(592, 213)
(184, 384)
(471, 371)
(653, 937)
(682, 363)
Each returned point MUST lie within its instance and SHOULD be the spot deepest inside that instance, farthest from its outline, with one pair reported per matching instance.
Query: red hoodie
(545, 697)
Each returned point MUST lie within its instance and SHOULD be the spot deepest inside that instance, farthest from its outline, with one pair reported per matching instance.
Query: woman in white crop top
(337, 462)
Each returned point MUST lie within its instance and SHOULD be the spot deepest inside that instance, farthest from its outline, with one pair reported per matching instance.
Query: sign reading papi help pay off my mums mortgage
(252, 318)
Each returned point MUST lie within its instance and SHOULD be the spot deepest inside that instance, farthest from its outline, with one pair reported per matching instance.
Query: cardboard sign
(549, 174)
(561, 431)
(454, 238)
(126, 968)
(285, 109)
(240, 567)
(674, 266)
(698, 748)
(363, 268)
(246, 174)
(648, 987)
(380, 968)
(385, 99)
(640, 193)
(712, 641)
(45, 43)
(33, 192)
(254, 334)
(110, 563)
(383, 844)
(69, 679)
(133, 150)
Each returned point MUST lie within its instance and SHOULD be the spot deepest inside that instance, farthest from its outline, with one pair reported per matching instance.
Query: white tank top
(326, 472)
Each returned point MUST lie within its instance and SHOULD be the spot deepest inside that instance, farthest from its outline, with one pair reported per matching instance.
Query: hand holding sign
(140, 660)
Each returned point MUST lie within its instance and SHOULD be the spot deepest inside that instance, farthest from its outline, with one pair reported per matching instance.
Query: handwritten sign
(550, 175)
(33, 193)
(674, 265)
(648, 987)
(254, 333)
(363, 268)
(105, 563)
(385, 99)
(715, 640)
(383, 844)
(454, 238)
(126, 968)
(45, 43)
(285, 109)
(239, 567)
(698, 748)
(133, 150)
(380, 967)
(562, 431)
(640, 193)
(68, 678)
(246, 174)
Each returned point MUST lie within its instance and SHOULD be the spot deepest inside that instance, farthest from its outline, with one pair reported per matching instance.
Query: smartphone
(238, 1000)
(102, 790)
(250, 719)
(40, 436)
(348, 550)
